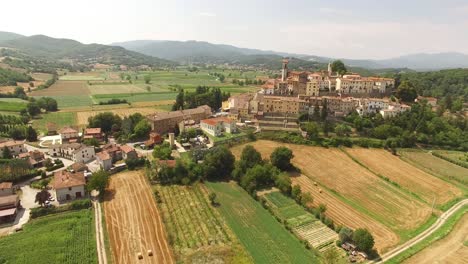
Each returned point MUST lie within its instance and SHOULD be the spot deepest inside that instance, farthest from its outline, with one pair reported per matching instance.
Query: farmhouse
(128, 152)
(15, 147)
(8, 207)
(216, 126)
(69, 134)
(95, 133)
(165, 122)
(35, 158)
(69, 185)
(74, 151)
(104, 160)
(394, 110)
(114, 151)
(154, 138)
(6, 188)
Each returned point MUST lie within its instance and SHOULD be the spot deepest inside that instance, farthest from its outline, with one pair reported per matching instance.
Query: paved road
(440, 221)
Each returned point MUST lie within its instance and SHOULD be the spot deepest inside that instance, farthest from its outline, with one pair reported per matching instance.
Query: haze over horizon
(360, 30)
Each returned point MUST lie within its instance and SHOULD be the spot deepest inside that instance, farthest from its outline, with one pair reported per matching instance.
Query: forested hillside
(9, 77)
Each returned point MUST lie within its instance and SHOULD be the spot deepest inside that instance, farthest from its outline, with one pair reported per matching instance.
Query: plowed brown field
(64, 88)
(360, 188)
(346, 215)
(450, 249)
(133, 221)
(407, 176)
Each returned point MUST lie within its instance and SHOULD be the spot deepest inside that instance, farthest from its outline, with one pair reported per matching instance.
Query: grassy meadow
(262, 235)
(60, 238)
(61, 119)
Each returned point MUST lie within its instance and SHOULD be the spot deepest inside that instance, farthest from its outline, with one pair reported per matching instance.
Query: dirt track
(448, 250)
(133, 221)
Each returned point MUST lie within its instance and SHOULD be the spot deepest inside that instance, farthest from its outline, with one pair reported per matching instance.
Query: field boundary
(440, 223)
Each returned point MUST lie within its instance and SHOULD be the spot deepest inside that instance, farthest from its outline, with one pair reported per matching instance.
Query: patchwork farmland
(354, 184)
(303, 223)
(260, 233)
(133, 221)
(424, 185)
(344, 214)
(196, 230)
(434, 165)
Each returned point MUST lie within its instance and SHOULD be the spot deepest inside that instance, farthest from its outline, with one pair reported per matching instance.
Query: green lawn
(61, 119)
(60, 238)
(261, 234)
(12, 106)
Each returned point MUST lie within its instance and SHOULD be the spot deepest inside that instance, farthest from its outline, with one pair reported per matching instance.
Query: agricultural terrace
(390, 166)
(195, 228)
(354, 184)
(262, 235)
(457, 157)
(133, 221)
(67, 237)
(451, 249)
(303, 223)
(344, 214)
(437, 166)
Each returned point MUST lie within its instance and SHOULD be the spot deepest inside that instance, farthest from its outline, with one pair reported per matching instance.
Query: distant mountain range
(205, 52)
(170, 53)
(40, 46)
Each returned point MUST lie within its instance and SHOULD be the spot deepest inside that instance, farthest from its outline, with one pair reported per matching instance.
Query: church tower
(329, 69)
(284, 70)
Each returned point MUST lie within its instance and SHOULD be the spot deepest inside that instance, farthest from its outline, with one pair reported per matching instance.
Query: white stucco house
(68, 185)
(104, 160)
(74, 151)
(216, 126)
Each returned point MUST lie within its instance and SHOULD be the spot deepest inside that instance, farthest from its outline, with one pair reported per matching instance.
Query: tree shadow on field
(109, 195)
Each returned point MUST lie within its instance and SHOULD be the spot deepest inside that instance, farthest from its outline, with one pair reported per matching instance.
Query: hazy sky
(337, 28)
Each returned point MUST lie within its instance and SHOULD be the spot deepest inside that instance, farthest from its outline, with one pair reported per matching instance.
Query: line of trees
(202, 95)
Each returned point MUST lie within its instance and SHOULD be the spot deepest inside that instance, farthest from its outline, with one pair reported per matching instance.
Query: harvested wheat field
(357, 186)
(64, 88)
(133, 221)
(451, 249)
(7, 89)
(122, 112)
(407, 176)
(344, 214)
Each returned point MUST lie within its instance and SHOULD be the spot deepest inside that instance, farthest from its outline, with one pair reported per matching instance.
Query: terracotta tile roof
(180, 113)
(104, 155)
(65, 179)
(6, 185)
(168, 163)
(79, 166)
(126, 148)
(11, 143)
(94, 130)
(214, 121)
(51, 126)
(8, 201)
(66, 130)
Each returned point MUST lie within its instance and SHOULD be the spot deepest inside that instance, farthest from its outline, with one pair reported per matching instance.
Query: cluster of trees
(35, 106)
(202, 95)
(361, 238)
(247, 82)
(113, 101)
(17, 93)
(49, 82)
(438, 84)
(16, 127)
(220, 76)
(15, 170)
(9, 77)
(339, 67)
(419, 125)
(131, 127)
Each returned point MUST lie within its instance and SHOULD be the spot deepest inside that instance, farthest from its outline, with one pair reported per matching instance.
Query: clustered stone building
(299, 92)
